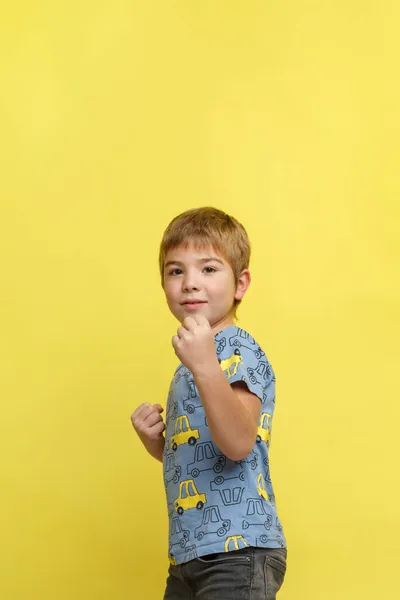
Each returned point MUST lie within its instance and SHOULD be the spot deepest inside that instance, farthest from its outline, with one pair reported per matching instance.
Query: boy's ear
(242, 284)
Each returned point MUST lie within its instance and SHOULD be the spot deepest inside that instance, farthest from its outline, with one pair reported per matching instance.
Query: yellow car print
(232, 362)
(238, 542)
(189, 497)
(264, 432)
(183, 433)
(261, 489)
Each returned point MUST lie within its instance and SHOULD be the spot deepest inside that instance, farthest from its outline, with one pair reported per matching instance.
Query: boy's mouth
(193, 303)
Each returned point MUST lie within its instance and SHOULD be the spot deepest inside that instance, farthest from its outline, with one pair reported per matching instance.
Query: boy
(225, 538)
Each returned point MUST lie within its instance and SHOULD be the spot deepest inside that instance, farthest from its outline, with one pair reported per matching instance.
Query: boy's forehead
(193, 251)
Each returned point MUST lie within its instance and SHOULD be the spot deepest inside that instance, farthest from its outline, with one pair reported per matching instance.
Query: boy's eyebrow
(201, 260)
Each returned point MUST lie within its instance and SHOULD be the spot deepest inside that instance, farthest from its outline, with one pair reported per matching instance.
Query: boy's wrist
(155, 447)
(207, 370)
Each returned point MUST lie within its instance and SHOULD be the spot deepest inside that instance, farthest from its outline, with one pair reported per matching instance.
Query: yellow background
(114, 117)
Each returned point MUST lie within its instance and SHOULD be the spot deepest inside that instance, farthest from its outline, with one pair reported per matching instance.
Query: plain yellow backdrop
(116, 116)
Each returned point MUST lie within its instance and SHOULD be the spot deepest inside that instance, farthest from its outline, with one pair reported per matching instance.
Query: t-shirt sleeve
(241, 359)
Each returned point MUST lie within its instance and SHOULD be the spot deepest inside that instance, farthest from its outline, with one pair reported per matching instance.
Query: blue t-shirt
(216, 504)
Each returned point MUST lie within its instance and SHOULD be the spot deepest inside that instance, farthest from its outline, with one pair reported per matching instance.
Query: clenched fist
(194, 344)
(149, 425)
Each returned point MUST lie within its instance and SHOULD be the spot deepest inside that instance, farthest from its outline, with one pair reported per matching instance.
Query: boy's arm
(232, 411)
(157, 449)
(149, 425)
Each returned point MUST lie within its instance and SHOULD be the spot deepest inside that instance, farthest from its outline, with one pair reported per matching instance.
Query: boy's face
(191, 274)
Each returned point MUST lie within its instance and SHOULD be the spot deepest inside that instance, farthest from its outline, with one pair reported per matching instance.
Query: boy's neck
(223, 324)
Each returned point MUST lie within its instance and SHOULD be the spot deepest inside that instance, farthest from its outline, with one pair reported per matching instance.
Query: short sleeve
(241, 359)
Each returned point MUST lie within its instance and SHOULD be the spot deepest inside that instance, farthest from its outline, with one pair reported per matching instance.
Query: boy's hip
(256, 573)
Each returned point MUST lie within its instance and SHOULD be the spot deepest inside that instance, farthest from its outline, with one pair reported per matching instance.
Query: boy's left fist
(194, 344)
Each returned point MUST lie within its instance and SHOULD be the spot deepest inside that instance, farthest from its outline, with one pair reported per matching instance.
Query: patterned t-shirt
(216, 504)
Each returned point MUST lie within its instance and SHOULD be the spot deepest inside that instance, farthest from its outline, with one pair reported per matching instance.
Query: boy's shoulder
(234, 337)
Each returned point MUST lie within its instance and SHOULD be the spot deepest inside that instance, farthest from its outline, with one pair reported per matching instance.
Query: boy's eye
(178, 271)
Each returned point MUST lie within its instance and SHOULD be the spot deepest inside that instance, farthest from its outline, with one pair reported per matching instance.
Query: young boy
(225, 538)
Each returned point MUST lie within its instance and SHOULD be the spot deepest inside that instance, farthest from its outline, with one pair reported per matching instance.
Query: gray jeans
(247, 574)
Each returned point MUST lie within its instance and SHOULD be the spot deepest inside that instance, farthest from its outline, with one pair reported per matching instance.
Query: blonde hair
(208, 226)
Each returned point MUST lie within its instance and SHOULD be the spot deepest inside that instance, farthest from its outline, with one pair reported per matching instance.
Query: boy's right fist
(148, 422)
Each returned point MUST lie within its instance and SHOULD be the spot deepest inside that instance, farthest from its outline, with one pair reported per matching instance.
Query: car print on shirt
(179, 373)
(204, 453)
(280, 541)
(228, 496)
(212, 523)
(190, 552)
(235, 542)
(265, 370)
(249, 345)
(172, 405)
(256, 506)
(263, 539)
(178, 535)
(190, 404)
(221, 345)
(189, 497)
(264, 429)
(172, 409)
(267, 472)
(261, 489)
(220, 479)
(233, 361)
(251, 458)
(279, 525)
(183, 433)
(193, 401)
(171, 471)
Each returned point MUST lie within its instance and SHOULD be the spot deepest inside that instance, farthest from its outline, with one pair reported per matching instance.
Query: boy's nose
(190, 288)
(189, 284)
